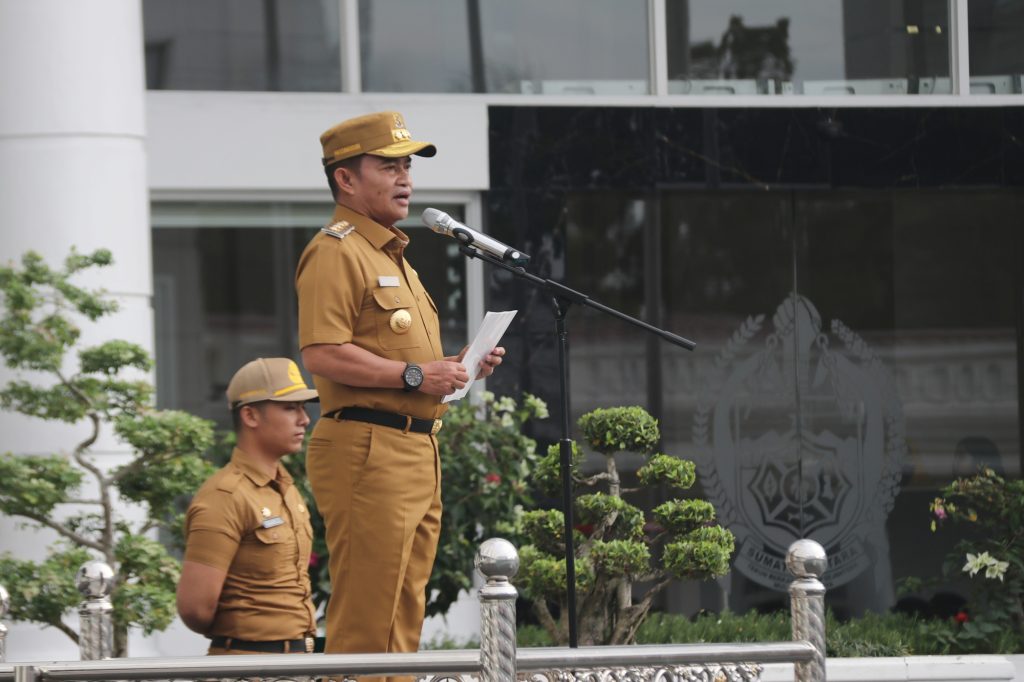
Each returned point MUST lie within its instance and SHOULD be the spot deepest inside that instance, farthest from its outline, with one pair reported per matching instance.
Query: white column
(73, 169)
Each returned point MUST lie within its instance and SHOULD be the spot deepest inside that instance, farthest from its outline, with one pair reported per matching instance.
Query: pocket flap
(271, 536)
(390, 298)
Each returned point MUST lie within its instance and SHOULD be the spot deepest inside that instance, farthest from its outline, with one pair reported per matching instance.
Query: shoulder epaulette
(229, 480)
(339, 230)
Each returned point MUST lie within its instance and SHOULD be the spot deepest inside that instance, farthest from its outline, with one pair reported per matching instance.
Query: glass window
(242, 45)
(996, 33)
(528, 46)
(599, 365)
(224, 293)
(853, 356)
(831, 47)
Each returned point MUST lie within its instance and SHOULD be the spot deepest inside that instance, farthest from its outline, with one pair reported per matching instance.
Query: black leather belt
(283, 646)
(403, 422)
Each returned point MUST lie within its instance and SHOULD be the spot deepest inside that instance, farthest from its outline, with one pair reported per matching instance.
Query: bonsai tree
(71, 492)
(623, 557)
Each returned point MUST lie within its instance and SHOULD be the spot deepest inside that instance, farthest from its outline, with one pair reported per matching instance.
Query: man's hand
(489, 363)
(442, 377)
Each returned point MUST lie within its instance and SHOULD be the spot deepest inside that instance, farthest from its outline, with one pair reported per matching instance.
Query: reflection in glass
(606, 262)
(852, 47)
(271, 45)
(527, 46)
(995, 35)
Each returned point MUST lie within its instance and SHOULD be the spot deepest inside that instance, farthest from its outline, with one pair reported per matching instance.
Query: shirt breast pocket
(262, 553)
(398, 326)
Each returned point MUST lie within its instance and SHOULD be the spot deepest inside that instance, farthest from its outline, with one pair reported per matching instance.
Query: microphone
(442, 223)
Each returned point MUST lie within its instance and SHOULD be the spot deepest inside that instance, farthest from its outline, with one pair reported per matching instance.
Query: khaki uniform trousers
(379, 492)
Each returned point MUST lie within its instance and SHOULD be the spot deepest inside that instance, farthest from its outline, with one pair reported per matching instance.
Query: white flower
(997, 569)
(538, 406)
(505, 404)
(976, 562)
(507, 421)
(992, 566)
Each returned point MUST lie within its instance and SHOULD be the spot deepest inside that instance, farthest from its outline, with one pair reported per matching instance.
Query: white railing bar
(544, 658)
(456, 661)
(273, 665)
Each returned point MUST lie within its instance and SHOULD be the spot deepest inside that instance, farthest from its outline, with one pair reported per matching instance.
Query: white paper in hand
(491, 330)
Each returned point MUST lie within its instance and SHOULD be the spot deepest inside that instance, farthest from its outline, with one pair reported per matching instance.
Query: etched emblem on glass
(800, 433)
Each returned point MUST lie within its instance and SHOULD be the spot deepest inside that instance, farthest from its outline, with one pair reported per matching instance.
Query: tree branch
(544, 616)
(613, 477)
(63, 627)
(66, 532)
(592, 480)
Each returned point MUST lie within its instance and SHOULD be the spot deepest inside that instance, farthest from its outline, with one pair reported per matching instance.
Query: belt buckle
(436, 427)
(309, 644)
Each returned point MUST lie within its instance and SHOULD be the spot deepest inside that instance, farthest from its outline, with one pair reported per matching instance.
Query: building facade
(826, 196)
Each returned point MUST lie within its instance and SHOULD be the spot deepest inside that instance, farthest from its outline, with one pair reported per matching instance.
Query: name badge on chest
(387, 280)
(272, 522)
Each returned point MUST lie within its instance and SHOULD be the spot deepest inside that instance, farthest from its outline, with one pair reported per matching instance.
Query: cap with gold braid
(380, 134)
(262, 379)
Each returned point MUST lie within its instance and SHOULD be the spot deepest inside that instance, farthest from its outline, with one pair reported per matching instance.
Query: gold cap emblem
(400, 321)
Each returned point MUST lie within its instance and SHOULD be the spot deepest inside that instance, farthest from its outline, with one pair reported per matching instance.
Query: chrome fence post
(95, 581)
(5, 606)
(498, 561)
(807, 561)
(26, 673)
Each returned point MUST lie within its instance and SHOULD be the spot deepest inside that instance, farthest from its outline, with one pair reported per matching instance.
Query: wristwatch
(412, 377)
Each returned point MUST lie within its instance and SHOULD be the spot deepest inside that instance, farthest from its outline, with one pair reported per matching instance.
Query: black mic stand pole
(562, 298)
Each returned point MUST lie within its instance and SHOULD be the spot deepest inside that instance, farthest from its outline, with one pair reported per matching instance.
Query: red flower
(961, 617)
(314, 559)
(492, 478)
(585, 528)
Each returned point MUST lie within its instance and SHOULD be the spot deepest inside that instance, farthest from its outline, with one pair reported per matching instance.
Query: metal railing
(497, 660)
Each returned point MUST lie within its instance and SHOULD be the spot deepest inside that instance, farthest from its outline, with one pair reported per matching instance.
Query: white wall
(255, 142)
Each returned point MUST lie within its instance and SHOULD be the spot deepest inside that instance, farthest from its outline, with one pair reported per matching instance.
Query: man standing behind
(370, 336)
(245, 577)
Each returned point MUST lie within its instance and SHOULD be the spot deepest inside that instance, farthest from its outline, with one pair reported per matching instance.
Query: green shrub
(991, 510)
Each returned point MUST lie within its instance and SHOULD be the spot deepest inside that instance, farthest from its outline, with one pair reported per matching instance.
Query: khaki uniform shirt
(350, 285)
(266, 594)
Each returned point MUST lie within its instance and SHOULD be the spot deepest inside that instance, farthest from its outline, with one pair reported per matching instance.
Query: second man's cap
(276, 379)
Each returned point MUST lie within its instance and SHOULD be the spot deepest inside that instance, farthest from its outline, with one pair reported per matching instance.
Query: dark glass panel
(995, 36)
(270, 45)
(528, 46)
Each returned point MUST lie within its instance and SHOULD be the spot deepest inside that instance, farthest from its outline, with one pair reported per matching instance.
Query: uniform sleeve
(330, 290)
(212, 535)
(211, 548)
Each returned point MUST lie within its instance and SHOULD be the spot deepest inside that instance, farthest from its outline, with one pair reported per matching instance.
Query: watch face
(413, 375)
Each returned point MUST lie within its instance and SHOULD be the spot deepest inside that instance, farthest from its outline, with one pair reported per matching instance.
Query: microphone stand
(561, 298)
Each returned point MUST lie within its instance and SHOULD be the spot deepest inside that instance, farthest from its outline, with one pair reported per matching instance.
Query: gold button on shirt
(266, 594)
(360, 289)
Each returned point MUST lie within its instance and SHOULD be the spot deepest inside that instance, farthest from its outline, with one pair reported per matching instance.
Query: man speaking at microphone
(370, 335)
